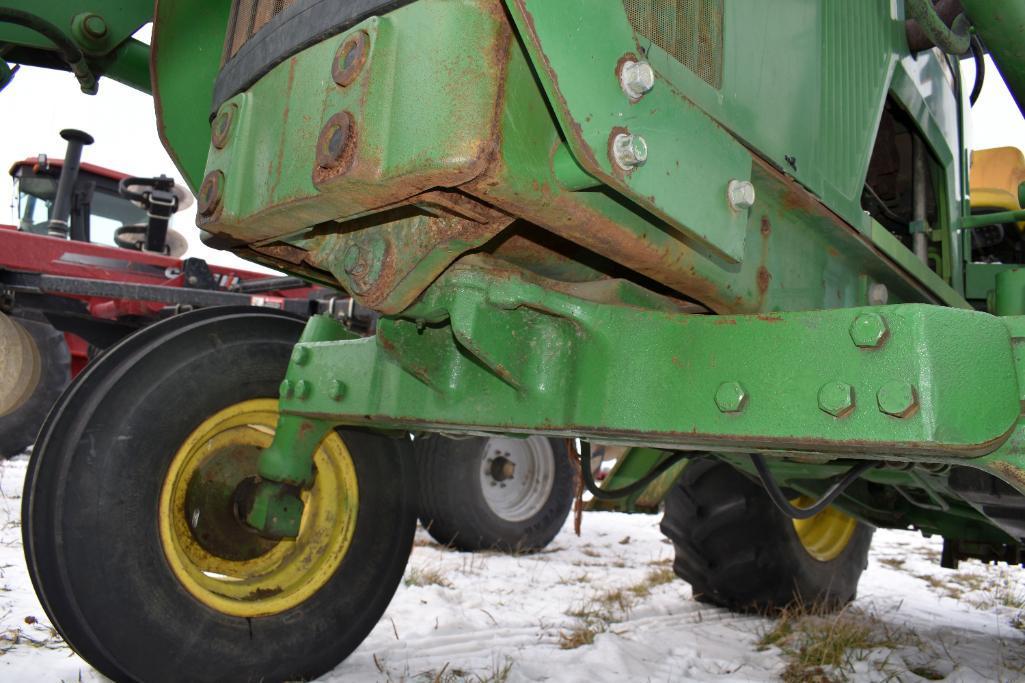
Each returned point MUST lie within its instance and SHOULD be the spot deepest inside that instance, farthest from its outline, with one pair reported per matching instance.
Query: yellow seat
(994, 179)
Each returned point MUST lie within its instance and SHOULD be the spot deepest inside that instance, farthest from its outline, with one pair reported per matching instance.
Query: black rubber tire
(737, 550)
(18, 429)
(453, 508)
(90, 512)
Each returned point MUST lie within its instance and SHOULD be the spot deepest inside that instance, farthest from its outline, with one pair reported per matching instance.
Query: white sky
(39, 103)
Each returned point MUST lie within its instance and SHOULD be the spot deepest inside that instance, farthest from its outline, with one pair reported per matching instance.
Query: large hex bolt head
(869, 331)
(210, 193)
(898, 399)
(349, 59)
(336, 142)
(629, 151)
(730, 397)
(837, 399)
(221, 127)
(636, 78)
(741, 195)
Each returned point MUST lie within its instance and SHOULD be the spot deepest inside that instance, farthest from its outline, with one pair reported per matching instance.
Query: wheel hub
(218, 558)
(517, 476)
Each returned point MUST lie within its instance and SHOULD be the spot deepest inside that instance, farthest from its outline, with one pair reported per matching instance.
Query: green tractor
(747, 242)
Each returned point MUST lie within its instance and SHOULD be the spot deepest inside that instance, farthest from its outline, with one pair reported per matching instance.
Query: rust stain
(764, 278)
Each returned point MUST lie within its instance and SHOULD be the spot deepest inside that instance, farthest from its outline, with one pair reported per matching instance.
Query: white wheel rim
(517, 476)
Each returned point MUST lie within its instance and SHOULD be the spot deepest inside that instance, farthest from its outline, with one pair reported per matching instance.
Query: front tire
(497, 493)
(737, 550)
(130, 534)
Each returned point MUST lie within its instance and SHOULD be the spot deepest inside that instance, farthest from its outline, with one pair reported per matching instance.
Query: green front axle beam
(491, 349)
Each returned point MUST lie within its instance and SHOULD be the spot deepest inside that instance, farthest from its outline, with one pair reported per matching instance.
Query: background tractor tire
(94, 512)
(18, 428)
(494, 493)
(737, 550)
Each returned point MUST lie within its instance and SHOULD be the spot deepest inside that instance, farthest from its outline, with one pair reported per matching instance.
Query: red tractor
(91, 260)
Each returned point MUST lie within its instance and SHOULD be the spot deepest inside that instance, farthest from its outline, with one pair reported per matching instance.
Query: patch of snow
(476, 615)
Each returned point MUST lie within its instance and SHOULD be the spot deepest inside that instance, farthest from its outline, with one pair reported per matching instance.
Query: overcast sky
(39, 103)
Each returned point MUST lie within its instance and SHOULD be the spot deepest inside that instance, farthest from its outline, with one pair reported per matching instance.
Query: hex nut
(301, 355)
(898, 399)
(869, 331)
(302, 389)
(878, 294)
(730, 397)
(741, 195)
(285, 389)
(837, 399)
(336, 390)
(629, 151)
(636, 78)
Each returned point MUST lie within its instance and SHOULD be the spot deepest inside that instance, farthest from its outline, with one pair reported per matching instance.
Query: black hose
(794, 512)
(67, 49)
(980, 69)
(630, 489)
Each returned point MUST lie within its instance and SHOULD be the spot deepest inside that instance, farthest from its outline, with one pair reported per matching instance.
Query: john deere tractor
(747, 240)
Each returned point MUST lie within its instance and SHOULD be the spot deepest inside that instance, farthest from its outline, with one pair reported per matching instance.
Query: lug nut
(836, 398)
(898, 399)
(741, 195)
(302, 389)
(210, 193)
(301, 355)
(285, 390)
(730, 397)
(629, 151)
(336, 142)
(869, 331)
(636, 78)
(349, 59)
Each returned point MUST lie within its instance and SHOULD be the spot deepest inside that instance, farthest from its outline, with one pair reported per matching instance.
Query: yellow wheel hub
(825, 535)
(216, 557)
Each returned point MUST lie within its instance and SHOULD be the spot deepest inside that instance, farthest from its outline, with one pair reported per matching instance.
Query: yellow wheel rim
(219, 560)
(825, 535)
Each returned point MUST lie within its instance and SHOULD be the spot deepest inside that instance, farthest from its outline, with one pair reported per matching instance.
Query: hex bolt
(222, 126)
(837, 399)
(354, 261)
(94, 26)
(336, 141)
(869, 331)
(285, 389)
(210, 193)
(898, 399)
(636, 78)
(878, 294)
(302, 389)
(349, 59)
(301, 355)
(741, 195)
(629, 151)
(336, 390)
(731, 397)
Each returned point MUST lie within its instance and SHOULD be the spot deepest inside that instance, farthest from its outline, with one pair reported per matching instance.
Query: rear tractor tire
(131, 513)
(737, 550)
(498, 493)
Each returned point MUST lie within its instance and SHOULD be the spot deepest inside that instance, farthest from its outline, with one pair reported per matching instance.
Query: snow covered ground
(603, 607)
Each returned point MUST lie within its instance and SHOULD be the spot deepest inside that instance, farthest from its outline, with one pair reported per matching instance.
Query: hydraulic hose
(630, 489)
(794, 512)
(67, 49)
(980, 69)
(954, 39)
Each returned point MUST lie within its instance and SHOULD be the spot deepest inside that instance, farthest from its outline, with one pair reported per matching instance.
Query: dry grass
(656, 577)
(426, 576)
(825, 647)
(596, 616)
(893, 562)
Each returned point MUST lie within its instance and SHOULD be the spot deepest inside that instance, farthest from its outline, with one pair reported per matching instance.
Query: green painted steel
(1001, 26)
(188, 36)
(111, 22)
(461, 362)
